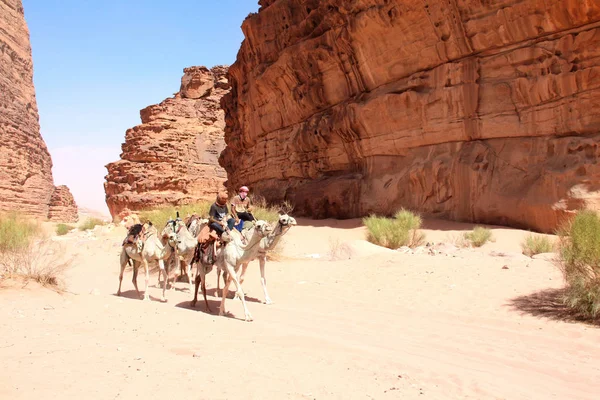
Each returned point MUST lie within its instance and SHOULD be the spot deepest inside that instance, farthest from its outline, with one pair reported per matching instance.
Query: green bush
(90, 223)
(479, 236)
(402, 230)
(63, 229)
(536, 244)
(16, 233)
(161, 215)
(580, 256)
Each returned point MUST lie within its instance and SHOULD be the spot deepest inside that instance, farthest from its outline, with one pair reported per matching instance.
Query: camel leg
(239, 293)
(204, 294)
(263, 279)
(219, 292)
(188, 270)
(243, 272)
(193, 303)
(161, 265)
(124, 262)
(147, 270)
(136, 266)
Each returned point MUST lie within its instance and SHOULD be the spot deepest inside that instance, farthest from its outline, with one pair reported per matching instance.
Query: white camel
(268, 243)
(149, 249)
(230, 258)
(186, 245)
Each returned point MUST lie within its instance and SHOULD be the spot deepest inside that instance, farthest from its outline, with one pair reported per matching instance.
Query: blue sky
(97, 63)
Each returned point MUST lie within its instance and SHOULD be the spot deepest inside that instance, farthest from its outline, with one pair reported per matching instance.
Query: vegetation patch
(402, 230)
(536, 244)
(63, 229)
(580, 262)
(478, 236)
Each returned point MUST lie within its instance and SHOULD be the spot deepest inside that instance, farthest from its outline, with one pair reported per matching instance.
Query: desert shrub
(90, 223)
(479, 236)
(402, 230)
(536, 244)
(42, 261)
(16, 233)
(339, 250)
(159, 216)
(25, 255)
(580, 262)
(63, 229)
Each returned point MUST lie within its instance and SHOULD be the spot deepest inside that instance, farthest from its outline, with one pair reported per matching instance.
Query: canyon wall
(26, 183)
(172, 157)
(471, 110)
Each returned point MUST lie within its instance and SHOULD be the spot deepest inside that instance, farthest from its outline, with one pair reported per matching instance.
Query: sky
(97, 63)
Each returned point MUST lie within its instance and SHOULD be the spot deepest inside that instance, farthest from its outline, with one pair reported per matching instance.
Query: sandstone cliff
(62, 206)
(172, 157)
(25, 166)
(485, 111)
(26, 183)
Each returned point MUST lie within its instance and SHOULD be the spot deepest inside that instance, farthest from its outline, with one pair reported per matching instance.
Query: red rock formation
(25, 165)
(62, 206)
(485, 111)
(172, 157)
(26, 183)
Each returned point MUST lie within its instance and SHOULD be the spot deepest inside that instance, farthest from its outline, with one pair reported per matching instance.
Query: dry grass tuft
(23, 254)
(536, 244)
(580, 262)
(478, 236)
(402, 230)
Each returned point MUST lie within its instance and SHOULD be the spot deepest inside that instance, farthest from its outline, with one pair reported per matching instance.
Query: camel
(186, 245)
(268, 243)
(146, 249)
(229, 259)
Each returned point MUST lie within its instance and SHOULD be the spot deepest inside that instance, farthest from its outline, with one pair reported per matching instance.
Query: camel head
(286, 220)
(262, 227)
(171, 230)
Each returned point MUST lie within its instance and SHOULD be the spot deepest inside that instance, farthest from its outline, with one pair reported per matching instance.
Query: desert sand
(350, 321)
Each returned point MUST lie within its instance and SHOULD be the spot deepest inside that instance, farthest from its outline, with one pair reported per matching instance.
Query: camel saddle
(135, 236)
(207, 235)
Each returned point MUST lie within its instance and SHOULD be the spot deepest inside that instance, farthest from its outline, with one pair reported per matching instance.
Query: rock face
(172, 157)
(62, 206)
(485, 111)
(26, 181)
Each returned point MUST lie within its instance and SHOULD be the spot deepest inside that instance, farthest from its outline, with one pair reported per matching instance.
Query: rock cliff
(26, 183)
(62, 206)
(485, 111)
(172, 157)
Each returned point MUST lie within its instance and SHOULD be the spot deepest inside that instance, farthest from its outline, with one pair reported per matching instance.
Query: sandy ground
(350, 321)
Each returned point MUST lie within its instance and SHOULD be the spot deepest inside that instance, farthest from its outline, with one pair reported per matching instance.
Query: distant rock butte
(461, 109)
(62, 206)
(26, 183)
(172, 157)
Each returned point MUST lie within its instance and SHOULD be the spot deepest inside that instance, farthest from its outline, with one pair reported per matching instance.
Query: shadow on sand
(549, 304)
(132, 295)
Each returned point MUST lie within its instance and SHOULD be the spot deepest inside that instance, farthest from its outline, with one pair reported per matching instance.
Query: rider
(218, 214)
(241, 206)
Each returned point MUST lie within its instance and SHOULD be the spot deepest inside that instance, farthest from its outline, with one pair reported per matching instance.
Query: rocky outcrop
(460, 109)
(62, 206)
(26, 183)
(172, 157)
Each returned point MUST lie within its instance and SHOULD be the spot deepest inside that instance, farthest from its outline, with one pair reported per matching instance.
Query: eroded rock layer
(485, 111)
(172, 157)
(62, 206)
(26, 183)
